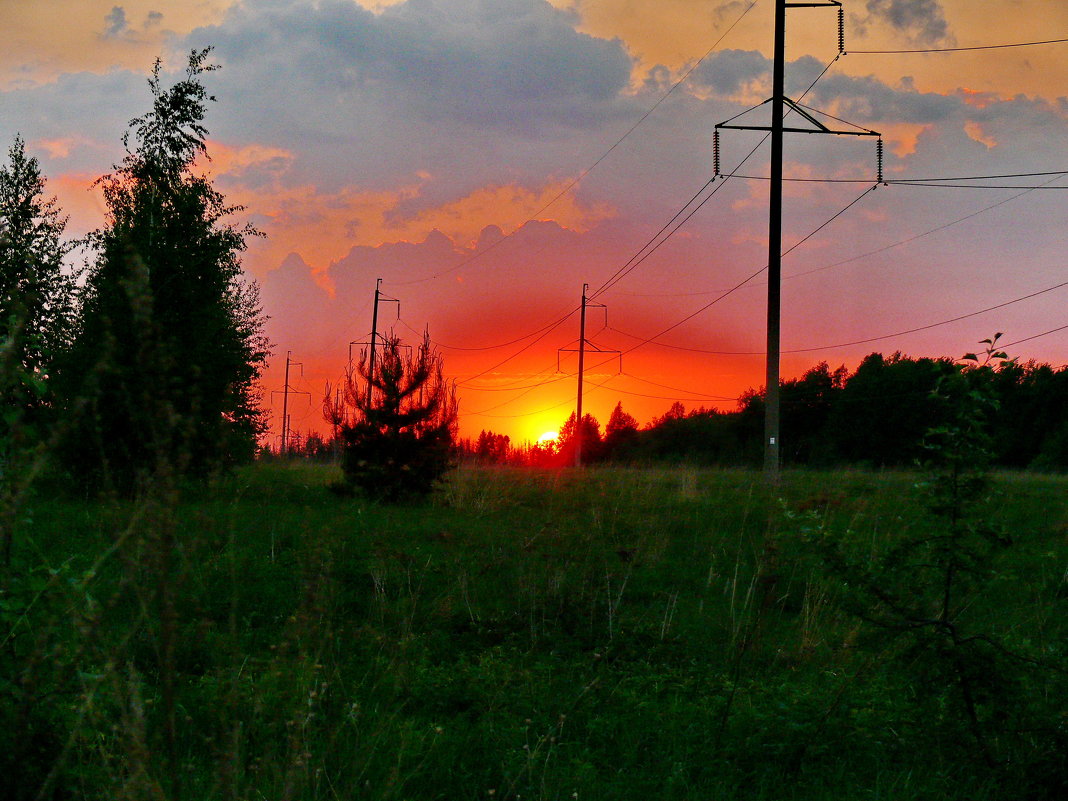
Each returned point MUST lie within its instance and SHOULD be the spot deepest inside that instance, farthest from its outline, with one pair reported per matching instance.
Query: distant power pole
(583, 343)
(779, 102)
(285, 390)
(380, 297)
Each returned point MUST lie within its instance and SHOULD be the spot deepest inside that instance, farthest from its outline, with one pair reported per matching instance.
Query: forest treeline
(876, 416)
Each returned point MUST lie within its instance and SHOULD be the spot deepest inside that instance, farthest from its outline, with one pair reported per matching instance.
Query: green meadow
(607, 633)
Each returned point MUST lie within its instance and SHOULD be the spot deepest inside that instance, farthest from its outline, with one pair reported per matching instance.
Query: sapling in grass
(925, 588)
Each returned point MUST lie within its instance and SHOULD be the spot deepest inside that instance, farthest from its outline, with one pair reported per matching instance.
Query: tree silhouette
(36, 297)
(171, 346)
(397, 443)
(620, 432)
(591, 439)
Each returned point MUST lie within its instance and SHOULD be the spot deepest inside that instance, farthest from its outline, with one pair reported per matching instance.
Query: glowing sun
(548, 436)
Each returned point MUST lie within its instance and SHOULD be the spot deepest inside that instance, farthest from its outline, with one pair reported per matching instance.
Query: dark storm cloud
(728, 71)
(867, 99)
(922, 20)
(508, 64)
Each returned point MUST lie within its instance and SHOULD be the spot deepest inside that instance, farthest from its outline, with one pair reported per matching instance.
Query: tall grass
(604, 633)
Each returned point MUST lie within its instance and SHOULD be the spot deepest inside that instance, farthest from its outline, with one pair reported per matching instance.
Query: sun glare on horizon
(548, 436)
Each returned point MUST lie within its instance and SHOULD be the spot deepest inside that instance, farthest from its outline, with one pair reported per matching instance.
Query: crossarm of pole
(378, 344)
(291, 391)
(805, 112)
(591, 348)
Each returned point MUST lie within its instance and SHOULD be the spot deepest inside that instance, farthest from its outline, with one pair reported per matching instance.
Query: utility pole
(285, 390)
(581, 365)
(374, 333)
(380, 297)
(285, 407)
(771, 375)
(583, 343)
(779, 103)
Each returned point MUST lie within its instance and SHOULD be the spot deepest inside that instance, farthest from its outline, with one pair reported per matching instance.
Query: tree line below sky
(876, 416)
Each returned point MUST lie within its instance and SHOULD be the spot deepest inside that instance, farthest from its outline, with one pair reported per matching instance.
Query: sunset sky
(475, 155)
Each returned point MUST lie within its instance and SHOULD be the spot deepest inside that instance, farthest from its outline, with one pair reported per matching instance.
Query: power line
(483, 347)
(934, 230)
(564, 402)
(555, 379)
(745, 281)
(1036, 336)
(932, 325)
(837, 214)
(546, 332)
(672, 397)
(634, 261)
(955, 49)
(907, 181)
(972, 186)
(679, 389)
(592, 166)
(858, 341)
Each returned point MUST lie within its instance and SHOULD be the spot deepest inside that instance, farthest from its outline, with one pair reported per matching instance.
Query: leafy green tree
(882, 412)
(398, 438)
(806, 408)
(36, 318)
(36, 294)
(172, 344)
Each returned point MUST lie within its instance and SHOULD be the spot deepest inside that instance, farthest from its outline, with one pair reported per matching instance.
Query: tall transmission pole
(771, 375)
(779, 103)
(583, 344)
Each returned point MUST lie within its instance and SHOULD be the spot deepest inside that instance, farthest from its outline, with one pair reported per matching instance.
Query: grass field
(601, 634)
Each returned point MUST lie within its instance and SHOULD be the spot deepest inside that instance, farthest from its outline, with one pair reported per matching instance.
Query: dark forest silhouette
(876, 416)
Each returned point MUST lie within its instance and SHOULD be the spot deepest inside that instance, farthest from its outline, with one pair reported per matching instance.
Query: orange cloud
(976, 132)
(324, 226)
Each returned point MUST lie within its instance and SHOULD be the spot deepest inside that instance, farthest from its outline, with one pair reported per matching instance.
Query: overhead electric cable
(526, 347)
(973, 186)
(907, 181)
(934, 230)
(553, 380)
(932, 325)
(1036, 336)
(574, 182)
(671, 397)
(651, 340)
(954, 49)
(634, 261)
(484, 347)
(745, 281)
(677, 389)
(564, 402)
